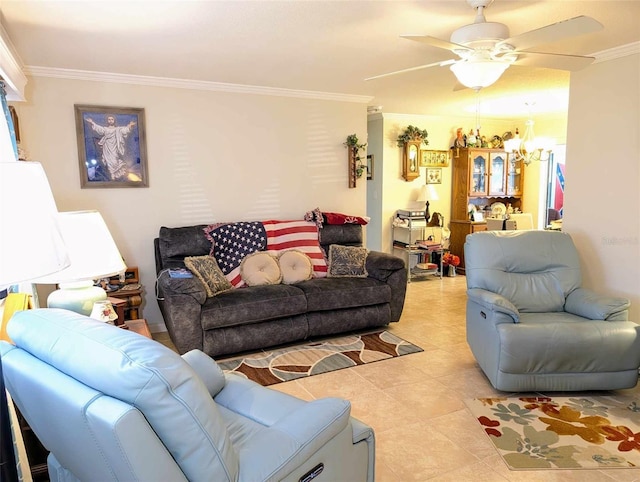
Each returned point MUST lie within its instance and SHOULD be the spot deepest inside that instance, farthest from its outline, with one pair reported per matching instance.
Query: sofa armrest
(180, 301)
(493, 302)
(382, 265)
(168, 286)
(589, 304)
(391, 270)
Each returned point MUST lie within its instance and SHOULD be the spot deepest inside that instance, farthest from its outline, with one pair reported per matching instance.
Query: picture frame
(369, 167)
(112, 148)
(434, 158)
(434, 175)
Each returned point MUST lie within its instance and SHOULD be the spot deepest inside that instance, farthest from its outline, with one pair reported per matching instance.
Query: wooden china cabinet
(481, 177)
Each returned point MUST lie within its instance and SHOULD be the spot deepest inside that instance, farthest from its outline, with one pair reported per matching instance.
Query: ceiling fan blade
(553, 61)
(552, 33)
(411, 69)
(436, 42)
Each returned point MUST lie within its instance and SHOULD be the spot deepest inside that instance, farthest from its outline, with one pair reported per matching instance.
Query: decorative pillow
(230, 242)
(347, 261)
(295, 266)
(207, 271)
(314, 216)
(300, 235)
(338, 218)
(259, 269)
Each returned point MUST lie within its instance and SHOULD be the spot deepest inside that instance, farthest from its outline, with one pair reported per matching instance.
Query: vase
(452, 271)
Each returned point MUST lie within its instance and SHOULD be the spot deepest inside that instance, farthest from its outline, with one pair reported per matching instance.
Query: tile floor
(415, 403)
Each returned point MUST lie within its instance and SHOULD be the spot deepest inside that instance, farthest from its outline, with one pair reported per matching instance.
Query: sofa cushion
(208, 271)
(345, 234)
(300, 235)
(184, 241)
(337, 293)
(346, 261)
(207, 370)
(535, 270)
(295, 266)
(252, 304)
(259, 269)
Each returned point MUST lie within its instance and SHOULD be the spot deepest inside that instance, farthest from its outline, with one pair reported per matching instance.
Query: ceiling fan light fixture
(477, 74)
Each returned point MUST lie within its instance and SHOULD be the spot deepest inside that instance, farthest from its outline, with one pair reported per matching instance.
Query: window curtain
(8, 143)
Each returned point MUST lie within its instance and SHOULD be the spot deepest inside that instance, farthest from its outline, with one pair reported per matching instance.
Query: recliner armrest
(382, 265)
(295, 437)
(589, 304)
(494, 302)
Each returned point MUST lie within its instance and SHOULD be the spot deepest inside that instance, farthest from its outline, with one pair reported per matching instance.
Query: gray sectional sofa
(251, 318)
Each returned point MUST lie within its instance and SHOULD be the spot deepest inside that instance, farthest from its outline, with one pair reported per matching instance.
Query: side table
(119, 305)
(133, 298)
(139, 326)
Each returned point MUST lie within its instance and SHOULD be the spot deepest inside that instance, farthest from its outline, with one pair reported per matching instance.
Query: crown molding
(191, 84)
(11, 68)
(617, 52)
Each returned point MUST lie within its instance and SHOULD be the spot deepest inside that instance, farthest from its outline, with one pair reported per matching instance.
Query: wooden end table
(139, 326)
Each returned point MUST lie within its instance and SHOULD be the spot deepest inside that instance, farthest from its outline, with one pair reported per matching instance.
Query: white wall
(213, 157)
(602, 190)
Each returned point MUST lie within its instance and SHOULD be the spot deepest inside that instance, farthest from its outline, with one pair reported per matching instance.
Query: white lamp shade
(103, 311)
(477, 74)
(31, 243)
(427, 193)
(92, 250)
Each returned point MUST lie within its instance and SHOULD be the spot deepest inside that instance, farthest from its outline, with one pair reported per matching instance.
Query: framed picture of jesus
(111, 146)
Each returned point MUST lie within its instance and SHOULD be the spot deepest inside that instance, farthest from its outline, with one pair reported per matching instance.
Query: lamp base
(78, 297)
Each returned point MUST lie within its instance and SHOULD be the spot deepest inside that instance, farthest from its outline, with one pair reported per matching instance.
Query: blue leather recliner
(112, 405)
(530, 324)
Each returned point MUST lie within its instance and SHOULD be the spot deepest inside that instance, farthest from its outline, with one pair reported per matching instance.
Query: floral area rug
(600, 432)
(299, 361)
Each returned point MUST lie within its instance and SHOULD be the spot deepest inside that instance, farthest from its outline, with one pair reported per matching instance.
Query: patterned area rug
(562, 432)
(300, 361)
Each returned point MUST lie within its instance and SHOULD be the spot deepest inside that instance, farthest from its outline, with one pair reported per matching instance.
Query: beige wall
(602, 191)
(213, 157)
(396, 193)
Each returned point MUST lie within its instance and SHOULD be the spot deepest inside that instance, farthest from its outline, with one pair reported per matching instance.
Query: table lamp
(427, 192)
(31, 245)
(94, 255)
(31, 242)
(103, 311)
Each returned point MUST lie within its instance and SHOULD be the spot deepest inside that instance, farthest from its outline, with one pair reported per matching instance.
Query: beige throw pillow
(295, 266)
(260, 268)
(208, 271)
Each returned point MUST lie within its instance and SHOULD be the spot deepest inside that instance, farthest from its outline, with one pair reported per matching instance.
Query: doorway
(555, 185)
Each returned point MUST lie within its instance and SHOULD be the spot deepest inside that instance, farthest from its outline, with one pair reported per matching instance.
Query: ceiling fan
(486, 50)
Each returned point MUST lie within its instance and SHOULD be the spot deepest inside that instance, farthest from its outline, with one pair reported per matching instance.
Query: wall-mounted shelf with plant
(411, 140)
(356, 164)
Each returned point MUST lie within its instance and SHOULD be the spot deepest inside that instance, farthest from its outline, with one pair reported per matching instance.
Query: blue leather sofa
(112, 405)
(530, 324)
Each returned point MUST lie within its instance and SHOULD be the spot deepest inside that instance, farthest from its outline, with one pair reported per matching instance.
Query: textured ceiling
(327, 46)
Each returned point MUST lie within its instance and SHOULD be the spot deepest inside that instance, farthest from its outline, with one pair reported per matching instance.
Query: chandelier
(530, 148)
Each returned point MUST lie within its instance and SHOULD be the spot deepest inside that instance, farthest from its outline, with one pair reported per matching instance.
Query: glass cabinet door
(478, 177)
(514, 176)
(497, 183)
